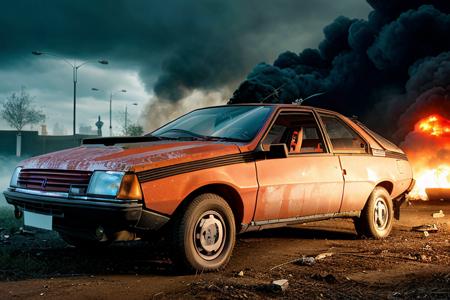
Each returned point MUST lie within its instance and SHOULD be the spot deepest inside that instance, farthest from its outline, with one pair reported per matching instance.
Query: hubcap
(209, 235)
(381, 215)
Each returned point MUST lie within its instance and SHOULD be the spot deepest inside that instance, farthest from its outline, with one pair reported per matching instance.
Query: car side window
(343, 138)
(299, 131)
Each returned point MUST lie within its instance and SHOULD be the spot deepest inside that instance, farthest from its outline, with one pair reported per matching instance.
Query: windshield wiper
(196, 136)
(192, 134)
(226, 139)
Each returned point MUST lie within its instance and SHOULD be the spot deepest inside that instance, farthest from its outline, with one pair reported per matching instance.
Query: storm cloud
(392, 66)
(176, 47)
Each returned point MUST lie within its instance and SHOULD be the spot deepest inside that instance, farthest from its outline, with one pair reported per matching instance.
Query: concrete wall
(34, 144)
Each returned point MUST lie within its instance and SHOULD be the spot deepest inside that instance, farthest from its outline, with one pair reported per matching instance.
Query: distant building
(87, 129)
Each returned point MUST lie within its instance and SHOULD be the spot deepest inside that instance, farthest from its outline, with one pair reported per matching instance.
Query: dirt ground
(407, 265)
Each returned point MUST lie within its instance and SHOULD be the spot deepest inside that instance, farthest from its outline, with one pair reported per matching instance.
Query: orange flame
(426, 147)
(438, 177)
(435, 125)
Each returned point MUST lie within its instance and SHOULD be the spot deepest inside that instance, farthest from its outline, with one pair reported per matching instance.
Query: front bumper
(85, 211)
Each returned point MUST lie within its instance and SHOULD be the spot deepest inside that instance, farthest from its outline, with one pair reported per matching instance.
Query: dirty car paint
(128, 157)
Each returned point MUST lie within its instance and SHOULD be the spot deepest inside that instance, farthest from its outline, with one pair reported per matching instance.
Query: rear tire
(377, 217)
(204, 234)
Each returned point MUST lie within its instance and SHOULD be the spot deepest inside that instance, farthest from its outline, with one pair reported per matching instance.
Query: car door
(308, 182)
(353, 152)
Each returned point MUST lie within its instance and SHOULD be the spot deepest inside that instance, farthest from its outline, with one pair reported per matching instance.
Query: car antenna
(274, 93)
(299, 101)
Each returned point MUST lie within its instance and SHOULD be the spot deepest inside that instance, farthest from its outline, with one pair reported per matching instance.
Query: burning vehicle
(212, 173)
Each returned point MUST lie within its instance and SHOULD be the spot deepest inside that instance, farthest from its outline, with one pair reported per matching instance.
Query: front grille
(53, 180)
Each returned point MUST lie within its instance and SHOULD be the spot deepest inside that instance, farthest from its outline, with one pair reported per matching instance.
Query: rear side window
(385, 143)
(343, 138)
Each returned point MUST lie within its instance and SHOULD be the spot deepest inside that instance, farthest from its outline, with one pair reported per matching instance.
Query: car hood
(130, 157)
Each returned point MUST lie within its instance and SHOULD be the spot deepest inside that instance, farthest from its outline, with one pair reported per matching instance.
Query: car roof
(281, 105)
(375, 140)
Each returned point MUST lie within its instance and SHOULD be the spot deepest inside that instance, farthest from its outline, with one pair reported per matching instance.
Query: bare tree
(18, 111)
(134, 130)
(128, 127)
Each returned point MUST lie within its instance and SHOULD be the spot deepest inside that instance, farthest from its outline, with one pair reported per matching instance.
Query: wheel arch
(227, 192)
(387, 185)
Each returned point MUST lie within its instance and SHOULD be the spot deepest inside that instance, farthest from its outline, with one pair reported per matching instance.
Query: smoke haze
(160, 111)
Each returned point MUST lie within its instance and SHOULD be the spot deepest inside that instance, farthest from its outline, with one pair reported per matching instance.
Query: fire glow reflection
(428, 149)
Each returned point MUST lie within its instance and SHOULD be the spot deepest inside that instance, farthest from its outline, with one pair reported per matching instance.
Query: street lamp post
(126, 116)
(75, 68)
(111, 94)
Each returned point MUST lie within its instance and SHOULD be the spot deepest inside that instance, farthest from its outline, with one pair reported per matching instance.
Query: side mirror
(277, 151)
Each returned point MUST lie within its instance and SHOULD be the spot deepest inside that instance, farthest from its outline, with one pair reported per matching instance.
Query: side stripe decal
(231, 159)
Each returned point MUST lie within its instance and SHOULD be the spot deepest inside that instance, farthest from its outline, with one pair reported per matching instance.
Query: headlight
(105, 183)
(15, 177)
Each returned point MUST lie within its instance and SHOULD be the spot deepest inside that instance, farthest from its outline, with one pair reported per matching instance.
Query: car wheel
(204, 234)
(376, 218)
(81, 242)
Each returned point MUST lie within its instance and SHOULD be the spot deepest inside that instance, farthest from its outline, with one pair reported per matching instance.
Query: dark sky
(173, 48)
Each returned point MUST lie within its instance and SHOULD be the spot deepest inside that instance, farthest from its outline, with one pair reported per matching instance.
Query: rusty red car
(212, 173)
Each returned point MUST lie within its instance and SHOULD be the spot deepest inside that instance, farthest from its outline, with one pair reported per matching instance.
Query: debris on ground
(241, 274)
(323, 255)
(427, 248)
(280, 285)
(328, 278)
(430, 228)
(423, 257)
(439, 214)
(426, 234)
(305, 261)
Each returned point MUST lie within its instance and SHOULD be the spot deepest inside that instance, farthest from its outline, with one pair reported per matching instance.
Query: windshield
(234, 123)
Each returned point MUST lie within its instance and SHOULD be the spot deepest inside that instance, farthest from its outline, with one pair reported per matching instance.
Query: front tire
(376, 218)
(204, 234)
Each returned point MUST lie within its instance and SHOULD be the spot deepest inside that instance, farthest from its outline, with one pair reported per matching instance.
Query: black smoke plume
(390, 70)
